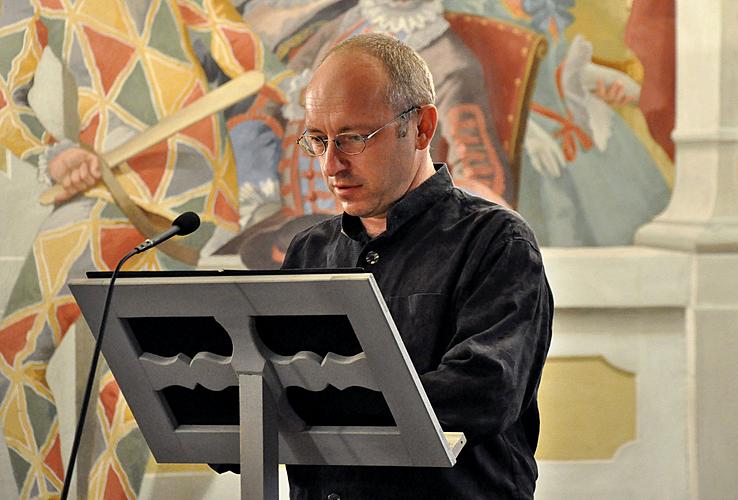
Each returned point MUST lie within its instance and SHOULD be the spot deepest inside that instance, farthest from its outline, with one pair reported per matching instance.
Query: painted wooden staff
(227, 94)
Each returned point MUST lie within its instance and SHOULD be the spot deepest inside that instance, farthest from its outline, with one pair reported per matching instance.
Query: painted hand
(614, 93)
(76, 170)
(544, 152)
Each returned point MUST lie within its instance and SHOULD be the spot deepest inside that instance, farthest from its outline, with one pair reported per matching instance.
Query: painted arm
(23, 39)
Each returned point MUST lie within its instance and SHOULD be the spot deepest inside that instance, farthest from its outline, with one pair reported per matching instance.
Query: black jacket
(465, 284)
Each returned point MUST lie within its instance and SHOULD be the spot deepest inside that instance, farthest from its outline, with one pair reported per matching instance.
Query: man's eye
(349, 138)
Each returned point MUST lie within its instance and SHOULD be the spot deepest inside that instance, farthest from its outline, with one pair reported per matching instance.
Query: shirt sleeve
(232, 43)
(489, 375)
(235, 47)
(22, 38)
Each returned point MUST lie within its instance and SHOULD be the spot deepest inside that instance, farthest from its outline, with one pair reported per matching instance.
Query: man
(462, 276)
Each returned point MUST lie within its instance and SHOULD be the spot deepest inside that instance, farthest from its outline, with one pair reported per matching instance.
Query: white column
(703, 213)
(702, 219)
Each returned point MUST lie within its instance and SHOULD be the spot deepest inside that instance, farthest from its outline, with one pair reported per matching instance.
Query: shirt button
(333, 496)
(372, 257)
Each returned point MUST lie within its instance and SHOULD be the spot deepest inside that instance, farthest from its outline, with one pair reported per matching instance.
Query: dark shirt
(464, 282)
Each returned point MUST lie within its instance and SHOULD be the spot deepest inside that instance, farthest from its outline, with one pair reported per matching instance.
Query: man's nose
(334, 160)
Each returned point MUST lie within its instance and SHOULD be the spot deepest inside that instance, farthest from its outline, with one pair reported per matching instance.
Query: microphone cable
(182, 225)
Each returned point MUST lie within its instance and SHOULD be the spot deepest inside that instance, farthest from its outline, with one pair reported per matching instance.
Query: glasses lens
(351, 144)
(312, 145)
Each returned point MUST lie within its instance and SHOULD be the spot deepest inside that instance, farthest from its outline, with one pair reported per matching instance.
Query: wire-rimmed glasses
(348, 143)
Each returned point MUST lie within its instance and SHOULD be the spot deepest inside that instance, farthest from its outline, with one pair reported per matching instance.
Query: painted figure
(592, 173)
(134, 62)
(467, 138)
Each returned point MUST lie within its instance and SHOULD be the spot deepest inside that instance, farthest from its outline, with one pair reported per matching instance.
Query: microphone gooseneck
(185, 224)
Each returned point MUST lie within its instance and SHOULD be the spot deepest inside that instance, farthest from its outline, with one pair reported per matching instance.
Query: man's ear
(427, 123)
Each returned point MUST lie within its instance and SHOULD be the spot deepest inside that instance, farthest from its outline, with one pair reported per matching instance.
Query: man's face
(347, 94)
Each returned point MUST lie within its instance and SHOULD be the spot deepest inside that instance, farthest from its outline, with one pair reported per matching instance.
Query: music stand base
(259, 440)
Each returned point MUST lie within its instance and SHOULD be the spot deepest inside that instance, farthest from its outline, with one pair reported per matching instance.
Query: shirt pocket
(423, 320)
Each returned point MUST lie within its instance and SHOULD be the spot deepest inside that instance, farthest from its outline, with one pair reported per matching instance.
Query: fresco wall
(592, 117)
(559, 109)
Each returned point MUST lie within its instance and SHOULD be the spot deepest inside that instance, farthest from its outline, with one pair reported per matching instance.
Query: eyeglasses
(350, 144)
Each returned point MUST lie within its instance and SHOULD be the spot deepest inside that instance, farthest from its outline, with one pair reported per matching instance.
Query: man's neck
(375, 226)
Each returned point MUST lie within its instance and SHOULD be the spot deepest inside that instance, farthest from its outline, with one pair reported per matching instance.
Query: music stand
(195, 358)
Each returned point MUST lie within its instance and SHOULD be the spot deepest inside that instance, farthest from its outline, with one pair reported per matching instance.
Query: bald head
(409, 81)
(358, 81)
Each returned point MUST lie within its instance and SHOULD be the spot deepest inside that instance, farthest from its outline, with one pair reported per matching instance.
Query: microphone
(182, 226)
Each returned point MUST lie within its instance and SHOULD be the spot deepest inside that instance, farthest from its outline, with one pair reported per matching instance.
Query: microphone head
(187, 223)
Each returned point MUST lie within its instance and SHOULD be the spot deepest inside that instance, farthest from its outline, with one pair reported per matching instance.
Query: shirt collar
(413, 203)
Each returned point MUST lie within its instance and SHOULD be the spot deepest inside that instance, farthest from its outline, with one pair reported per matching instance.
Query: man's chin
(352, 210)
(356, 209)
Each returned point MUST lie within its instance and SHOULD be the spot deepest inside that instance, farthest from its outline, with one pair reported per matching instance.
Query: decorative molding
(601, 411)
(305, 369)
(722, 134)
(719, 235)
(623, 277)
(308, 370)
(207, 369)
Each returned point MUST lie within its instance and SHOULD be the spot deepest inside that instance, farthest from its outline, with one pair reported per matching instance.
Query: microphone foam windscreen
(187, 223)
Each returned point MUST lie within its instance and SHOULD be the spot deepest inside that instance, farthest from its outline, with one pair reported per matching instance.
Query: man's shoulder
(308, 246)
(501, 224)
(321, 231)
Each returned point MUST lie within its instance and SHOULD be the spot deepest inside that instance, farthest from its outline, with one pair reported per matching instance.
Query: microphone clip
(145, 245)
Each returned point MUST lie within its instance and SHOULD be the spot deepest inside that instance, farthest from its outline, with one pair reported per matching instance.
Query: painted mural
(559, 109)
(132, 63)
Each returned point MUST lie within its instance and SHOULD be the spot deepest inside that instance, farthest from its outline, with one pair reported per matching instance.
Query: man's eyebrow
(346, 128)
